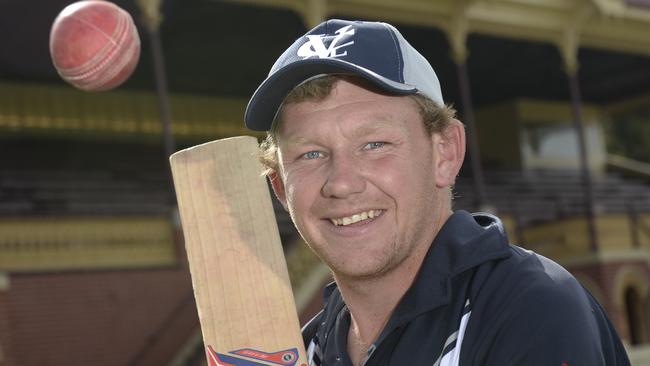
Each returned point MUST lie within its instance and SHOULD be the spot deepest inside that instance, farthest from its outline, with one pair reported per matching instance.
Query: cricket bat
(239, 273)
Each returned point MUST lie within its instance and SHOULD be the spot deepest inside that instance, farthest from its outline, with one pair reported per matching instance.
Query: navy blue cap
(375, 51)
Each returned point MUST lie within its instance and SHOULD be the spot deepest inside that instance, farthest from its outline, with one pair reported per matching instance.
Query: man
(362, 152)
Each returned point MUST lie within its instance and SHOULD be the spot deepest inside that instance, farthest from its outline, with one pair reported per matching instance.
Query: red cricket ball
(94, 45)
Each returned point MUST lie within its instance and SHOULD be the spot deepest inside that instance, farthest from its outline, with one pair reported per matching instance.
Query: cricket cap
(375, 51)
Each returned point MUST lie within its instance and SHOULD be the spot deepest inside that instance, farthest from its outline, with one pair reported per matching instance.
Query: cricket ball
(94, 45)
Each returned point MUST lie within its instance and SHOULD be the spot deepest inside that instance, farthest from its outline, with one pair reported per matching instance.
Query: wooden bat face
(239, 274)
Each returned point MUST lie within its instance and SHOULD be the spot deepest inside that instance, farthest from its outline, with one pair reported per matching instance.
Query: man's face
(357, 176)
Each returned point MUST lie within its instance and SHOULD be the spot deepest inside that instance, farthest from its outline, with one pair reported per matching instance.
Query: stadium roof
(514, 46)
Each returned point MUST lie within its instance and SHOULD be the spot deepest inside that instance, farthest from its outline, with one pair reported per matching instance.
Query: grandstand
(92, 266)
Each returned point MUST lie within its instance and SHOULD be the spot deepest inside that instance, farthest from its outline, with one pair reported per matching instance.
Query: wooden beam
(614, 25)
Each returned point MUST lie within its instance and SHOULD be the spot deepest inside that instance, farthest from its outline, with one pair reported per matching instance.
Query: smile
(348, 220)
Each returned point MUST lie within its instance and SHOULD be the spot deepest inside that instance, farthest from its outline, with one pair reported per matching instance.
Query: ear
(450, 152)
(278, 188)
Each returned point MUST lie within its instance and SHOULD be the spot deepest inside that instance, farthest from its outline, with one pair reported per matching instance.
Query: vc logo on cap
(315, 47)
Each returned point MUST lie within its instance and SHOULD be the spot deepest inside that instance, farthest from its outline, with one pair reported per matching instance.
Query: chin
(359, 271)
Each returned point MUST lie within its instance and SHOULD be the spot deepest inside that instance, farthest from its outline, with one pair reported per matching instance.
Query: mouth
(355, 218)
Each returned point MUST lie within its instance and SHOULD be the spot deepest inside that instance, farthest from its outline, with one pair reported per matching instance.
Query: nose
(345, 178)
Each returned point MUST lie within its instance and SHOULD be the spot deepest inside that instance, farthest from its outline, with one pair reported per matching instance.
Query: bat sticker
(284, 358)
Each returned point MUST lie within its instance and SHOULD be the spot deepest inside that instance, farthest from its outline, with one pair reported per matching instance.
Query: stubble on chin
(349, 269)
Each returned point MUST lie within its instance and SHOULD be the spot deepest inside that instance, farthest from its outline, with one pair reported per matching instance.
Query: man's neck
(372, 301)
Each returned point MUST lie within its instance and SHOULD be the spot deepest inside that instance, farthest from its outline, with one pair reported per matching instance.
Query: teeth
(344, 221)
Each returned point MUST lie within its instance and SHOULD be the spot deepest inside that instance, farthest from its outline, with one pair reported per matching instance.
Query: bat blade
(239, 274)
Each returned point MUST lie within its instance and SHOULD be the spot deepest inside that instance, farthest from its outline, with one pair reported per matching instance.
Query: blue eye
(374, 145)
(311, 155)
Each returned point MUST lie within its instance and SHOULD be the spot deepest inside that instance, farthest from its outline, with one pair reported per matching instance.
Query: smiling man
(362, 151)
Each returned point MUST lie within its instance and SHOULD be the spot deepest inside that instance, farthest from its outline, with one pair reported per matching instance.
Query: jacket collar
(464, 242)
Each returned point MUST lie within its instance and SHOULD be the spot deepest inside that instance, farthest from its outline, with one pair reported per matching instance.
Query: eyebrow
(378, 122)
(293, 141)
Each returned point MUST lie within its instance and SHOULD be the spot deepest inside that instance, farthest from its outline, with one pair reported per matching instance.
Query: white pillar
(568, 46)
(457, 37)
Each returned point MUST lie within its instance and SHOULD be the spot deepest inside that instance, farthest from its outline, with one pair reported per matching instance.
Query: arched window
(635, 315)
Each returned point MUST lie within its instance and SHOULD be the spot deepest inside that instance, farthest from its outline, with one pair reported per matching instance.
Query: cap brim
(266, 100)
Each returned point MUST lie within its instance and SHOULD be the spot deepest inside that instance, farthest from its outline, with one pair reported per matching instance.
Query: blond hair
(436, 118)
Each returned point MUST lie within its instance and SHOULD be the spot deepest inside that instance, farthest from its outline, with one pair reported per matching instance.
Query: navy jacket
(478, 301)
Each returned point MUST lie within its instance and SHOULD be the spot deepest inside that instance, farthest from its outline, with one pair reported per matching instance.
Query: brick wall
(606, 275)
(131, 317)
(5, 336)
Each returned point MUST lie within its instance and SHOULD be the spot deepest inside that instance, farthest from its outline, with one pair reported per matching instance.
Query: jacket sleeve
(554, 322)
